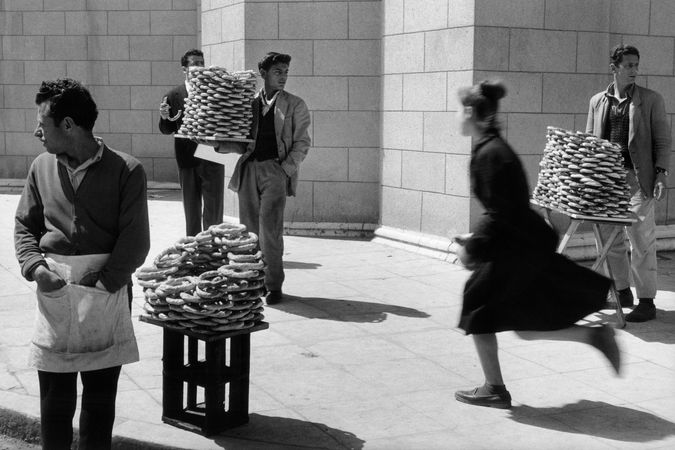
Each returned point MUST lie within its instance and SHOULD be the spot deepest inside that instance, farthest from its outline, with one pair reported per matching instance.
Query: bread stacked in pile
(219, 104)
(582, 174)
(210, 283)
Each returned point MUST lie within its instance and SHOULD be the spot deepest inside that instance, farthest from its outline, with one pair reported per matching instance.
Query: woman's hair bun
(493, 90)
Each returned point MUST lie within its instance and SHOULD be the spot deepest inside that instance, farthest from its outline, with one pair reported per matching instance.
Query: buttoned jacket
(649, 138)
(291, 126)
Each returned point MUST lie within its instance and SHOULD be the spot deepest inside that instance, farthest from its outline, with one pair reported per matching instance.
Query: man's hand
(461, 239)
(660, 186)
(89, 279)
(47, 280)
(164, 109)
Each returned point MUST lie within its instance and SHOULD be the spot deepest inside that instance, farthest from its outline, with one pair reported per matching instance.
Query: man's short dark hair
(273, 58)
(191, 52)
(617, 53)
(68, 98)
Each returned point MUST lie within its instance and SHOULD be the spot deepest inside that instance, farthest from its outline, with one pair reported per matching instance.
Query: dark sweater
(184, 149)
(107, 214)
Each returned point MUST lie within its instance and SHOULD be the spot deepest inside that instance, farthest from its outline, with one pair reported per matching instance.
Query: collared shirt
(267, 104)
(77, 174)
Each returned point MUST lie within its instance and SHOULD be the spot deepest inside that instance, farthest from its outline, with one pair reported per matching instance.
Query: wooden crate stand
(219, 411)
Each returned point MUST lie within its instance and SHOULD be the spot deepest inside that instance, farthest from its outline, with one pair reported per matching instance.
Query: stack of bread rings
(210, 283)
(582, 174)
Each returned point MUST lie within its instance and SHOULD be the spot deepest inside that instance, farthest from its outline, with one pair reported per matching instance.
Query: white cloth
(80, 328)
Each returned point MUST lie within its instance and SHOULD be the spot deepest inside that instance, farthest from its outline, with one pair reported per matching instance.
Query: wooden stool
(219, 411)
(602, 246)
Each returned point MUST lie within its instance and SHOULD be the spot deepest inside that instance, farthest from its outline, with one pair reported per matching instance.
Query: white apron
(80, 328)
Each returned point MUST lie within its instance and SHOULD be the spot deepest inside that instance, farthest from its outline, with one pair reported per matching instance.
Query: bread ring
(187, 244)
(232, 272)
(190, 298)
(218, 306)
(244, 257)
(242, 240)
(203, 237)
(175, 301)
(175, 286)
(170, 257)
(150, 284)
(208, 294)
(247, 265)
(153, 273)
(246, 248)
(227, 228)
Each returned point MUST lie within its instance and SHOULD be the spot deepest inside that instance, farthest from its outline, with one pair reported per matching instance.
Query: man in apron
(81, 230)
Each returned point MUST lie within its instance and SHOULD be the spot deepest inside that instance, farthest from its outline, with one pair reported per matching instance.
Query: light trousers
(262, 200)
(641, 263)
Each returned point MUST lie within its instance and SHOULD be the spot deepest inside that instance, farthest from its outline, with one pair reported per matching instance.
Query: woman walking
(519, 282)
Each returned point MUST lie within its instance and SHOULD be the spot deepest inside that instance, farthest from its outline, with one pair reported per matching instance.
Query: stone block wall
(552, 55)
(335, 68)
(555, 56)
(126, 51)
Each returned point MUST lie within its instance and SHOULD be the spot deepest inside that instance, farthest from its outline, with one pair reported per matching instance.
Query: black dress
(520, 282)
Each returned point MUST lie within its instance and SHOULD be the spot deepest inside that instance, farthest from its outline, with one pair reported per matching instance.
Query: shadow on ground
(599, 419)
(300, 265)
(284, 432)
(343, 310)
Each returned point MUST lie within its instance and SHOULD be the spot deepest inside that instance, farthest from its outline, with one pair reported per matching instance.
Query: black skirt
(530, 292)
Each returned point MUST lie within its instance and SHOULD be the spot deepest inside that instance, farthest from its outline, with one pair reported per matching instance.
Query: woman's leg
(488, 354)
(601, 338)
(493, 393)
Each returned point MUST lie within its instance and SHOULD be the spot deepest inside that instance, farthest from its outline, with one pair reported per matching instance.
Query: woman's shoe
(603, 339)
(477, 397)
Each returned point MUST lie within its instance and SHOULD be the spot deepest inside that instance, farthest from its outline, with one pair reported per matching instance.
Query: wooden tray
(219, 144)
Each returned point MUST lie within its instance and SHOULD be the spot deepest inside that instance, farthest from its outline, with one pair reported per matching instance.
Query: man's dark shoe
(642, 313)
(625, 298)
(475, 397)
(273, 297)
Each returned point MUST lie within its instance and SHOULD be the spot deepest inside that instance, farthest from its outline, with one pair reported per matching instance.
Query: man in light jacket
(268, 170)
(635, 118)
(81, 230)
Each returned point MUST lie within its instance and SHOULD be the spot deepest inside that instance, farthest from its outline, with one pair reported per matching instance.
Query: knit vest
(266, 141)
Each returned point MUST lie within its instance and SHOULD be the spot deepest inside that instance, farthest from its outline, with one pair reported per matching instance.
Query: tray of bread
(218, 106)
(209, 284)
(582, 174)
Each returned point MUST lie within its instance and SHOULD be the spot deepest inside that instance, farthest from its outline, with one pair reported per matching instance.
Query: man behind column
(81, 229)
(268, 171)
(201, 181)
(635, 118)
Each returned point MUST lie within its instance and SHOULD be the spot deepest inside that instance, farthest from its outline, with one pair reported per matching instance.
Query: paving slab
(364, 353)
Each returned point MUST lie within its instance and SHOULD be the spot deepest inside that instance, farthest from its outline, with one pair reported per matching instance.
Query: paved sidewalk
(364, 354)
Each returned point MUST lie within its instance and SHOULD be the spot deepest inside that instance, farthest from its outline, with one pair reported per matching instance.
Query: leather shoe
(625, 298)
(273, 297)
(473, 397)
(642, 313)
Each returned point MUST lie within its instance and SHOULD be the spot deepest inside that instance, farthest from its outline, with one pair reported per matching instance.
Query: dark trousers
(262, 200)
(58, 398)
(202, 185)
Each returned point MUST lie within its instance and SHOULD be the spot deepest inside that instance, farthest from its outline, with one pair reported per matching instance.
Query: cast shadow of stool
(599, 419)
(342, 310)
(657, 330)
(285, 432)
